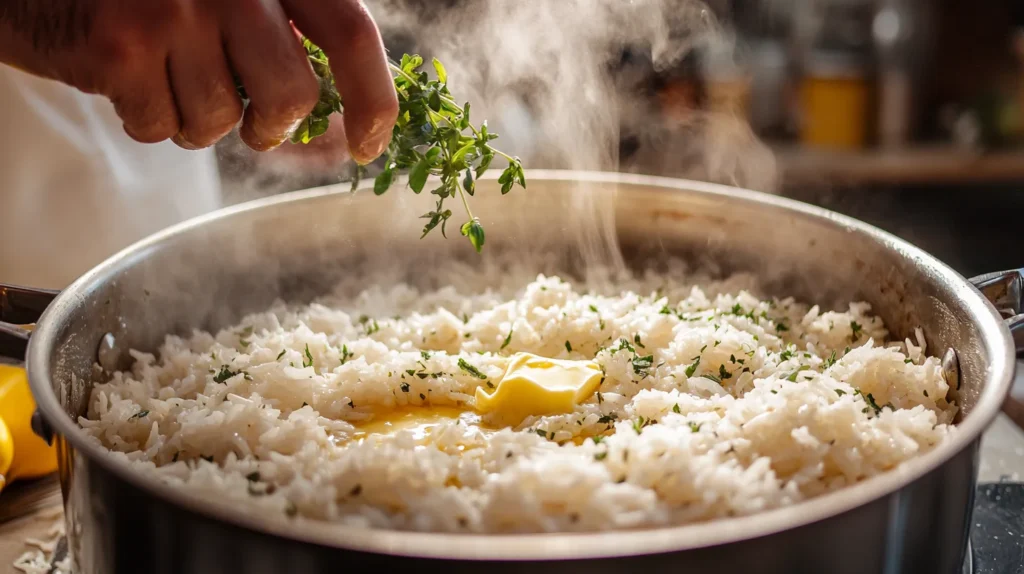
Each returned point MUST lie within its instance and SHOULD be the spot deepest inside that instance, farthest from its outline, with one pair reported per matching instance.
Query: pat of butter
(535, 385)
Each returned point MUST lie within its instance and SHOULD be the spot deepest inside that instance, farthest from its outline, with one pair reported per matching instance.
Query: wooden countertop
(27, 510)
(923, 165)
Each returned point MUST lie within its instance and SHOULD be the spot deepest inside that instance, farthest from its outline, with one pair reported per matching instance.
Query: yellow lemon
(22, 453)
(6, 453)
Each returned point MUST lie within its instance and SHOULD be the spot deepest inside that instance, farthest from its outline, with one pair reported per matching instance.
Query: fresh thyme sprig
(432, 136)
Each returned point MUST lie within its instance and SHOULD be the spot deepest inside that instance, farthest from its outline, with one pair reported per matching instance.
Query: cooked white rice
(786, 403)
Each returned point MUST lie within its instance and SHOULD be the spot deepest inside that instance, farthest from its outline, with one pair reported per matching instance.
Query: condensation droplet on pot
(107, 355)
(951, 369)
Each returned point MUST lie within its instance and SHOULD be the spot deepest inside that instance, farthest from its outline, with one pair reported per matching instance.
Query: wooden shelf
(926, 165)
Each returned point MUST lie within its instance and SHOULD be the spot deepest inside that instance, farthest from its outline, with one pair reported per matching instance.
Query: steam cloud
(540, 72)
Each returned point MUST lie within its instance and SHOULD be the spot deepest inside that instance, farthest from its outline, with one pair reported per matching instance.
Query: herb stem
(429, 138)
(465, 202)
(398, 70)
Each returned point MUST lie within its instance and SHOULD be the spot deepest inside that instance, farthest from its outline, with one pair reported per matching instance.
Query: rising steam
(540, 72)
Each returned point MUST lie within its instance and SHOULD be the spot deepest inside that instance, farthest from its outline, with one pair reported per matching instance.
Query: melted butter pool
(531, 385)
(420, 421)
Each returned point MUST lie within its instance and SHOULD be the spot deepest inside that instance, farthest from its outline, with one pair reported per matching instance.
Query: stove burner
(997, 534)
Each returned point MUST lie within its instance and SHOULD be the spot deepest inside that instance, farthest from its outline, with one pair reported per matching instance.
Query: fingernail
(372, 148)
(183, 143)
(272, 144)
(259, 142)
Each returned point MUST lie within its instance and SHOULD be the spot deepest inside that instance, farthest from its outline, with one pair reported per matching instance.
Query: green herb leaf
(428, 118)
(224, 374)
(792, 377)
(639, 424)
(508, 340)
(418, 175)
(856, 328)
(475, 232)
(138, 415)
(345, 354)
(675, 408)
(693, 368)
(383, 181)
(470, 369)
(442, 74)
(642, 365)
(870, 400)
(830, 361)
(308, 360)
(723, 374)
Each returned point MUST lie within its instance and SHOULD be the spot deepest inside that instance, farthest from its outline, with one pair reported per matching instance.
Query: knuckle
(148, 133)
(120, 52)
(298, 97)
(129, 42)
(147, 123)
(213, 126)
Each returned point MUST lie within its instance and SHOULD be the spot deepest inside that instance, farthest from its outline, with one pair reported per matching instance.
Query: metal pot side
(210, 271)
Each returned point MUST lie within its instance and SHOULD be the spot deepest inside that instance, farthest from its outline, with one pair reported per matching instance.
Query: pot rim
(560, 546)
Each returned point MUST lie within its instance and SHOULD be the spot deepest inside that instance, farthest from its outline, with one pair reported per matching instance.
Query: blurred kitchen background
(908, 114)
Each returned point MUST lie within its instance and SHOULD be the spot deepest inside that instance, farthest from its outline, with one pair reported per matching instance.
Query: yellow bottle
(834, 99)
(22, 453)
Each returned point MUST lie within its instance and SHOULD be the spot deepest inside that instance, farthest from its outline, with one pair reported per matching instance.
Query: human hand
(167, 64)
(322, 156)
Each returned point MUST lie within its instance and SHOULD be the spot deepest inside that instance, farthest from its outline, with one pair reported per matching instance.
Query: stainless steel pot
(208, 272)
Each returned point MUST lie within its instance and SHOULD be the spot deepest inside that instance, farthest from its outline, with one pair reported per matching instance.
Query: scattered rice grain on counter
(712, 406)
(39, 557)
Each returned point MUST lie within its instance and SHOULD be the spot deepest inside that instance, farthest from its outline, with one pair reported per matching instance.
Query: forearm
(31, 31)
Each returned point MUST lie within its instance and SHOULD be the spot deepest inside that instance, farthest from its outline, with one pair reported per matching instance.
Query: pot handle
(20, 307)
(1005, 289)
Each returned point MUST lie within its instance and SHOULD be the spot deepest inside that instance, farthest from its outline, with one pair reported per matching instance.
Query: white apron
(75, 189)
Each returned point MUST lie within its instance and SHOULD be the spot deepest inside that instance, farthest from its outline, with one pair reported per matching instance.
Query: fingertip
(181, 141)
(147, 136)
(150, 121)
(370, 133)
(371, 149)
(256, 138)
